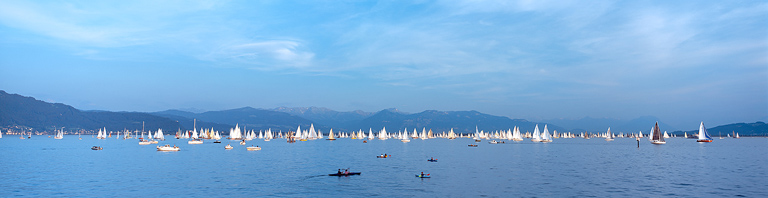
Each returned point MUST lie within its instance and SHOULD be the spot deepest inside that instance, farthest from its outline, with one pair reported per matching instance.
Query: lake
(45, 167)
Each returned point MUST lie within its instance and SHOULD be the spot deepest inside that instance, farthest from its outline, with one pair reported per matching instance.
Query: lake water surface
(45, 167)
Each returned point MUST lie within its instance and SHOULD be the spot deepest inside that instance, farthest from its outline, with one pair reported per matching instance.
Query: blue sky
(682, 61)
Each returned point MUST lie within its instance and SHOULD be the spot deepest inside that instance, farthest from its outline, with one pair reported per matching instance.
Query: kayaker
(422, 174)
(338, 172)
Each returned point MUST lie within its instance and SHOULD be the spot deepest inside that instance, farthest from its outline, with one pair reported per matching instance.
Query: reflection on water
(567, 167)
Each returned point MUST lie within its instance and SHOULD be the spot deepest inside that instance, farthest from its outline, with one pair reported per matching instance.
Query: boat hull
(342, 174)
(253, 148)
(703, 140)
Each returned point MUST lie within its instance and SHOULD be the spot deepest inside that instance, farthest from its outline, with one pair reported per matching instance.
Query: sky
(682, 61)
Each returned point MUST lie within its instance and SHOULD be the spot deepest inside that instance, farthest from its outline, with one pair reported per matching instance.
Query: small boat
(195, 141)
(228, 147)
(96, 148)
(364, 141)
(253, 148)
(383, 156)
(493, 142)
(432, 160)
(472, 145)
(242, 142)
(168, 148)
(423, 176)
(144, 142)
(344, 174)
(217, 142)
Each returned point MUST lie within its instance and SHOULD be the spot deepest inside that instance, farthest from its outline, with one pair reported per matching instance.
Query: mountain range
(17, 110)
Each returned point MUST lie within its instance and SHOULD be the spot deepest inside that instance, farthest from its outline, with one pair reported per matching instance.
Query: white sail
(451, 134)
(536, 135)
(650, 135)
(194, 134)
(159, 134)
(59, 134)
(298, 132)
(703, 135)
(383, 133)
(312, 133)
(235, 133)
(516, 135)
(608, 135)
(546, 137)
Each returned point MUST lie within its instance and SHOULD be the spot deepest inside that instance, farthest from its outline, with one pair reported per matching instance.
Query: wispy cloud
(265, 55)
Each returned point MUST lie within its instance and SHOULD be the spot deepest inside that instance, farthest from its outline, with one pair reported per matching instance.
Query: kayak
(432, 160)
(383, 156)
(342, 174)
(423, 176)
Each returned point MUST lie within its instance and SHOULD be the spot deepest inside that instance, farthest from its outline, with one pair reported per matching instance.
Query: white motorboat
(168, 147)
(253, 148)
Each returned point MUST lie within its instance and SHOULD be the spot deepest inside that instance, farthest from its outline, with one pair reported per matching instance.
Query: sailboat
(330, 135)
(477, 135)
(59, 134)
(703, 135)
(608, 136)
(405, 137)
(516, 136)
(546, 137)
(159, 134)
(657, 137)
(383, 133)
(451, 135)
(536, 135)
